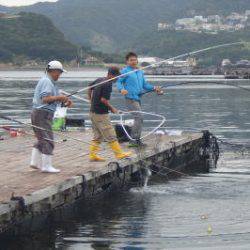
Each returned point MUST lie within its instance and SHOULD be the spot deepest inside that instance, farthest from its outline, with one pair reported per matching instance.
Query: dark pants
(45, 138)
(138, 118)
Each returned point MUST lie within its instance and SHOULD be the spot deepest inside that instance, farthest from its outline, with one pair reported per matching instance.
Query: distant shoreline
(41, 67)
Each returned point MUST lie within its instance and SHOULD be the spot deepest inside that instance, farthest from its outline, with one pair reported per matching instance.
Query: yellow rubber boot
(94, 149)
(115, 146)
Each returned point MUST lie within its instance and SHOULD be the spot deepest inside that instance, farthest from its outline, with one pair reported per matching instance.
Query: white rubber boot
(36, 159)
(47, 165)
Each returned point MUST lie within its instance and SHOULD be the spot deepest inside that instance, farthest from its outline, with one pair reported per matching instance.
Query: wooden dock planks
(71, 157)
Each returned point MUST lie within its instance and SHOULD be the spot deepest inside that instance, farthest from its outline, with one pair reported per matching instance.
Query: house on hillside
(91, 60)
(214, 19)
(165, 26)
(236, 19)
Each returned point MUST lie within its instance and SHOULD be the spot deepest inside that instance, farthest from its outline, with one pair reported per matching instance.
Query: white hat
(55, 65)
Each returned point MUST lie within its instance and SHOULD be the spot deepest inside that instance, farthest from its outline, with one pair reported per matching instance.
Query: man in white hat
(46, 98)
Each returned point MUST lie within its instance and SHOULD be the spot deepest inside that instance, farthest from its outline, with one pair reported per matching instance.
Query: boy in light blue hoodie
(132, 86)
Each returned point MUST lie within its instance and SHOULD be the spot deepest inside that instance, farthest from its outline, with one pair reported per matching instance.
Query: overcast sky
(22, 2)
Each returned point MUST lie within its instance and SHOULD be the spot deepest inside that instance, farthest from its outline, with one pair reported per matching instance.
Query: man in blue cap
(132, 86)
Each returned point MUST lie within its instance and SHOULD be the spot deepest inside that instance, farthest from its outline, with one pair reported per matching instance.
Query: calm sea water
(210, 211)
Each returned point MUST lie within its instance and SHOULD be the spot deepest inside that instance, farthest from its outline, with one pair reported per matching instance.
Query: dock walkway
(36, 189)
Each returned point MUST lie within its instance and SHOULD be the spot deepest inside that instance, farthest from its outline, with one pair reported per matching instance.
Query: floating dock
(27, 195)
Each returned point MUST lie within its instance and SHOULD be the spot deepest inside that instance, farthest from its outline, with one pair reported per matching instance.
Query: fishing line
(233, 85)
(62, 144)
(171, 170)
(143, 68)
(159, 173)
(158, 63)
(69, 159)
(57, 133)
(212, 82)
(8, 128)
(122, 113)
(40, 128)
(238, 146)
(243, 148)
(220, 83)
(123, 75)
(87, 101)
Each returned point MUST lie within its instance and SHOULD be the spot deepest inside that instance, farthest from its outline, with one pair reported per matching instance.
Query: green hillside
(115, 26)
(110, 25)
(33, 36)
(170, 43)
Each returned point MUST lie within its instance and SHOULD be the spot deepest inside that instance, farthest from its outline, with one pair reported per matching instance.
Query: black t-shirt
(98, 92)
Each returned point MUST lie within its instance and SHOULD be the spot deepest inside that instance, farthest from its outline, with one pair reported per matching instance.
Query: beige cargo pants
(102, 128)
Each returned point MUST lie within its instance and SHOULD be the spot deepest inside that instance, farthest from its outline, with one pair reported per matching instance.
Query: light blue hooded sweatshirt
(134, 83)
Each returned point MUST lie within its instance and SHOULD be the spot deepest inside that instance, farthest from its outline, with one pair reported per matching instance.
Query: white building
(185, 22)
(247, 13)
(236, 18)
(190, 62)
(147, 60)
(211, 24)
(164, 26)
(226, 62)
(214, 19)
(200, 19)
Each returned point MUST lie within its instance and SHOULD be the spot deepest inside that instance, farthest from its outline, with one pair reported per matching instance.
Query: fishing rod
(10, 129)
(158, 63)
(142, 94)
(232, 85)
(161, 92)
(122, 113)
(40, 128)
(184, 83)
(212, 82)
(43, 129)
(74, 95)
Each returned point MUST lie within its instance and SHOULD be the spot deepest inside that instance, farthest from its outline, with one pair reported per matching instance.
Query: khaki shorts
(102, 128)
